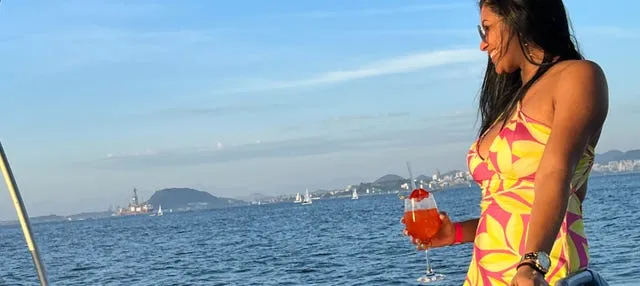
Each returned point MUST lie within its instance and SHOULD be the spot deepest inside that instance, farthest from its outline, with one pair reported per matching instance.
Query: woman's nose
(483, 45)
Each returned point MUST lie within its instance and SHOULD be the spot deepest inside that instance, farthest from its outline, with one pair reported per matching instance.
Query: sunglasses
(483, 33)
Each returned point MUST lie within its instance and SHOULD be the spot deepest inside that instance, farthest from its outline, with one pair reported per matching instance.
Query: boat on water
(354, 195)
(298, 199)
(135, 207)
(159, 212)
(307, 198)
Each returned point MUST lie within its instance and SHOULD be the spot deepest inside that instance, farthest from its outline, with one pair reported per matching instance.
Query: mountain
(255, 197)
(188, 199)
(389, 178)
(617, 155)
(423, 178)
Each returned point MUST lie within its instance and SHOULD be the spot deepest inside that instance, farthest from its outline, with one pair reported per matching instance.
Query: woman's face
(497, 40)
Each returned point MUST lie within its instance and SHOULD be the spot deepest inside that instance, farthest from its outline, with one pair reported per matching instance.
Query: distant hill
(389, 178)
(186, 198)
(255, 197)
(423, 178)
(617, 155)
(37, 219)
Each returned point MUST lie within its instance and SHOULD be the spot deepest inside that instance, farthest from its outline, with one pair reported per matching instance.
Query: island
(187, 199)
(175, 199)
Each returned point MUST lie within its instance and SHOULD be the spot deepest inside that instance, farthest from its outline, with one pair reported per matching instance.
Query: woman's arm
(580, 109)
(447, 233)
(468, 228)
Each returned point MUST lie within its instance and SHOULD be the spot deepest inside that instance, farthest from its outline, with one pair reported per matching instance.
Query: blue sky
(237, 97)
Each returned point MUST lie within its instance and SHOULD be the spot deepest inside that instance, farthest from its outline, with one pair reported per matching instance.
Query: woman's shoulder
(583, 78)
(579, 70)
(581, 84)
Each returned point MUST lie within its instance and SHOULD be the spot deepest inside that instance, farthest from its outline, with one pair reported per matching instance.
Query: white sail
(354, 195)
(160, 210)
(307, 198)
(298, 198)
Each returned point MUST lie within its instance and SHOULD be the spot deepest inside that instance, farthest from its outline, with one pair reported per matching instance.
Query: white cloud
(471, 71)
(287, 148)
(398, 65)
(439, 129)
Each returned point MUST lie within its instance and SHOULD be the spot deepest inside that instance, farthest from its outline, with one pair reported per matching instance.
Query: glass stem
(429, 270)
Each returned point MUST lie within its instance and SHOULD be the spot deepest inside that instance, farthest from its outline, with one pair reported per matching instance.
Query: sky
(250, 96)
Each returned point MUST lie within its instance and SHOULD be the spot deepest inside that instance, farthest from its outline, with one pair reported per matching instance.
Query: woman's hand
(444, 237)
(527, 276)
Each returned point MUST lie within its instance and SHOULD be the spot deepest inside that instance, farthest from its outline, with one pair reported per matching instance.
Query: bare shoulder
(581, 74)
(580, 67)
(581, 83)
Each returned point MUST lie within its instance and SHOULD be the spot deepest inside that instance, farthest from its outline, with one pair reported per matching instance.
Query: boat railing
(23, 216)
(585, 277)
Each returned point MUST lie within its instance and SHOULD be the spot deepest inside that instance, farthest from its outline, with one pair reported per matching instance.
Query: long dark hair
(543, 23)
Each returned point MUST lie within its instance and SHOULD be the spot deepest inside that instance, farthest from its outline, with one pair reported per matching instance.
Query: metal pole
(413, 184)
(23, 218)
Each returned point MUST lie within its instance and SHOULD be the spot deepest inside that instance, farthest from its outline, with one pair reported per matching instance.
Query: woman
(542, 108)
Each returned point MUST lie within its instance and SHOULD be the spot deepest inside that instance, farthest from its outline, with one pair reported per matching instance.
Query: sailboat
(307, 198)
(354, 195)
(160, 210)
(298, 198)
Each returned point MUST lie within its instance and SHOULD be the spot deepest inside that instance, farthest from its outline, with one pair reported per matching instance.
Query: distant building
(436, 175)
(618, 166)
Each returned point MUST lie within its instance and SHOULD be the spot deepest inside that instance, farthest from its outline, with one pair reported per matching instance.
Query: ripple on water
(331, 242)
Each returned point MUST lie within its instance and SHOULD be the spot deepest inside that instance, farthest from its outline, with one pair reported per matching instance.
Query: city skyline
(253, 97)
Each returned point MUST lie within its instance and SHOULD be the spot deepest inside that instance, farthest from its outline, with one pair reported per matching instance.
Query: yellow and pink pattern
(507, 178)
